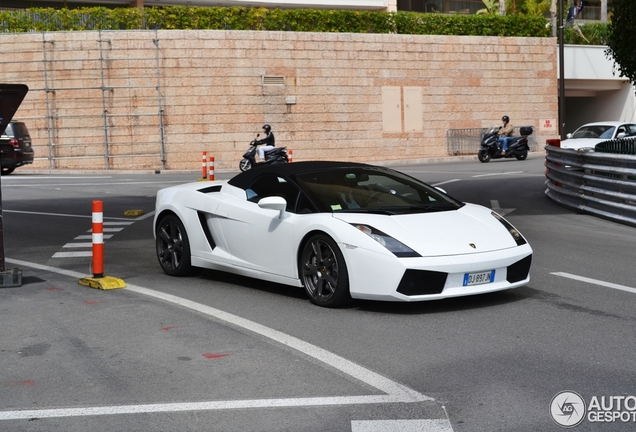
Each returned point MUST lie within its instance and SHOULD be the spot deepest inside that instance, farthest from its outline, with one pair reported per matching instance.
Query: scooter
(273, 156)
(518, 148)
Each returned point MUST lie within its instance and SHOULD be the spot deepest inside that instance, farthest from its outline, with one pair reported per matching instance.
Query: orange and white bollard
(98, 280)
(289, 155)
(211, 169)
(204, 164)
(98, 239)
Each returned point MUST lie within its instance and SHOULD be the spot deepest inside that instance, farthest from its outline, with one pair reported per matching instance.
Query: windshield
(599, 131)
(375, 191)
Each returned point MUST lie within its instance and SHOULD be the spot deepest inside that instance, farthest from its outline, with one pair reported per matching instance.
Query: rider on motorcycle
(505, 134)
(268, 141)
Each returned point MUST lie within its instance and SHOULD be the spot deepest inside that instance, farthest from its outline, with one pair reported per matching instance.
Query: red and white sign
(548, 125)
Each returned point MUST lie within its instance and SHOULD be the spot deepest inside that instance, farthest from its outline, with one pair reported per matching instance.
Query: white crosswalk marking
(109, 226)
(73, 254)
(78, 245)
(90, 237)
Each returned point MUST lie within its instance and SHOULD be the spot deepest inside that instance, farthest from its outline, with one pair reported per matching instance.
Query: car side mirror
(274, 203)
(621, 135)
(568, 136)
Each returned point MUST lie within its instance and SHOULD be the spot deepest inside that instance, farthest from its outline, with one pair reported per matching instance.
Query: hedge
(241, 18)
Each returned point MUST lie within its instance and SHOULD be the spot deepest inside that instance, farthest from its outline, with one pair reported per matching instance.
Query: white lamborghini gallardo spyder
(342, 231)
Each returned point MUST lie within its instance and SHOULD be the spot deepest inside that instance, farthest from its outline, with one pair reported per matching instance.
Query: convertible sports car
(342, 231)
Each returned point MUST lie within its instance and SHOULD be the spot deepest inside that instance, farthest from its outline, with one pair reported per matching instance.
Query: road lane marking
(89, 216)
(494, 205)
(437, 425)
(90, 237)
(78, 245)
(498, 174)
(194, 406)
(119, 183)
(445, 182)
(72, 254)
(394, 392)
(31, 177)
(596, 282)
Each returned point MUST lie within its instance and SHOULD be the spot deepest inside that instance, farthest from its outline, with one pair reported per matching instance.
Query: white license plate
(479, 278)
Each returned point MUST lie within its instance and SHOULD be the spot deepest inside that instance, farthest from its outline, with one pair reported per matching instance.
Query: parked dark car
(15, 147)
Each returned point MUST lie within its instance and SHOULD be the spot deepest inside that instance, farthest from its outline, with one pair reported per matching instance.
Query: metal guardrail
(617, 146)
(600, 184)
(468, 140)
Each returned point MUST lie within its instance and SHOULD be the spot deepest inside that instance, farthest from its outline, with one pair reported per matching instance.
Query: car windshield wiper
(421, 207)
(381, 210)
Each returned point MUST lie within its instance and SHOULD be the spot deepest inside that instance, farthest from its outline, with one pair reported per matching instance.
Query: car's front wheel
(324, 272)
(173, 246)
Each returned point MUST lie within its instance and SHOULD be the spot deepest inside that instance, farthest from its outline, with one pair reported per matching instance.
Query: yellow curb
(203, 179)
(103, 283)
(133, 212)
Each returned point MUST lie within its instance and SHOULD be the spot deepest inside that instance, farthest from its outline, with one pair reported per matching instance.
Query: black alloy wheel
(173, 246)
(324, 272)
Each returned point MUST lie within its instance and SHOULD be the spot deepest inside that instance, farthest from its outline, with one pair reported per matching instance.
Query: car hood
(471, 229)
(577, 143)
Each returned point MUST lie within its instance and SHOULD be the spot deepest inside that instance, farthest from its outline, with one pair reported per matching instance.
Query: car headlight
(512, 230)
(398, 248)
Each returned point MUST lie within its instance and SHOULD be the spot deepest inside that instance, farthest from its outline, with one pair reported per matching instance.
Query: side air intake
(519, 270)
(422, 282)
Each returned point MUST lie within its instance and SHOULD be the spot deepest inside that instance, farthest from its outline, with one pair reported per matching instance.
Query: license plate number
(479, 278)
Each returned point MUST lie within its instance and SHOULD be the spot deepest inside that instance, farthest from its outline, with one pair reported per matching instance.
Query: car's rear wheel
(245, 165)
(324, 272)
(173, 246)
(7, 170)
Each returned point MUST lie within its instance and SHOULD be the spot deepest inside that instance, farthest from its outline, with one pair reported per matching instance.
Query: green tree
(492, 7)
(537, 7)
(621, 38)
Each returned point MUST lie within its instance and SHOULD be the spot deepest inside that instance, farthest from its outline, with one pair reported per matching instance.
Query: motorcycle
(518, 148)
(273, 156)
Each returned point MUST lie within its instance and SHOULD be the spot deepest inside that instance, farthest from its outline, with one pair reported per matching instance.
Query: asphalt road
(225, 353)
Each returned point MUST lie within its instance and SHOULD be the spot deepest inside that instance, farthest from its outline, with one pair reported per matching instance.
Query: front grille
(519, 270)
(422, 282)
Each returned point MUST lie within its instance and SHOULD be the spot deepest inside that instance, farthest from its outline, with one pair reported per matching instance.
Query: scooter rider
(505, 134)
(268, 141)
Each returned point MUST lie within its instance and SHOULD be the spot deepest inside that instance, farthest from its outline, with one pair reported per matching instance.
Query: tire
(7, 171)
(483, 156)
(173, 247)
(245, 165)
(522, 156)
(323, 272)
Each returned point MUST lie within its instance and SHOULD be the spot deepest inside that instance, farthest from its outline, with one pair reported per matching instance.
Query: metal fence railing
(596, 183)
(468, 140)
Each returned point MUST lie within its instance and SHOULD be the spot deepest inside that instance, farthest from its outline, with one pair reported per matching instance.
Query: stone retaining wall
(156, 99)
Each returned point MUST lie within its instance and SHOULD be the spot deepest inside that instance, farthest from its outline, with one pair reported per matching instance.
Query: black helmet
(504, 118)
(267, 128)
